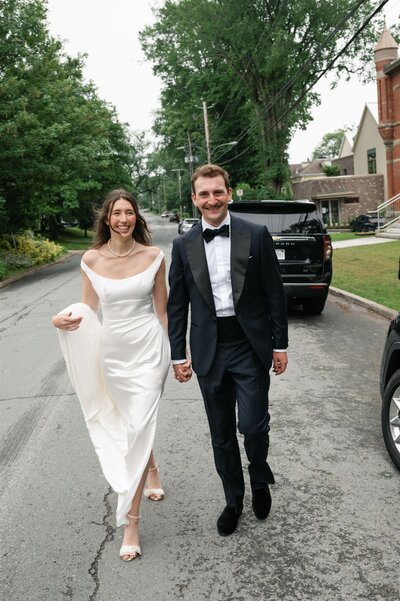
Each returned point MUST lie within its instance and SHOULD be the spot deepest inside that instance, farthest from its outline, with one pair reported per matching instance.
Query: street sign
(239, 192)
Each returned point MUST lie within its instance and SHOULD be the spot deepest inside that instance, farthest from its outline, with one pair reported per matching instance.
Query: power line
(312, 84)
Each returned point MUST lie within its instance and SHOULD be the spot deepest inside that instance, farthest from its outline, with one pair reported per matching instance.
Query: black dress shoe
(261, 502)
(228, 520)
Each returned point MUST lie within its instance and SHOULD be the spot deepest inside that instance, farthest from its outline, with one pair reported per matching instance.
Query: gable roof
(365, 114)
(345, 149)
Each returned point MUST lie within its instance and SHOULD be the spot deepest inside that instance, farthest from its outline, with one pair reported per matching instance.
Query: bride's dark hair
(141, 232)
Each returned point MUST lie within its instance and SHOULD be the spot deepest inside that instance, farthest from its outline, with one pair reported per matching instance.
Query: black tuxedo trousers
(237, 379)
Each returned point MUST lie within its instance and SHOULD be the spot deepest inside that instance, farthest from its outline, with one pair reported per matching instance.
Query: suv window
(288, 220)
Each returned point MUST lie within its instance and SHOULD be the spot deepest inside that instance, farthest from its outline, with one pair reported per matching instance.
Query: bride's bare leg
(131, 531)
(153, 479)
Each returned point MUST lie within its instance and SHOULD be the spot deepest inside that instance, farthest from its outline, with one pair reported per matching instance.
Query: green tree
(329, 146)
(255, 60)
(331, 170)
(62, 147)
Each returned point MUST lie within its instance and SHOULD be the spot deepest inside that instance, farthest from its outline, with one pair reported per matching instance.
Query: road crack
(109, 537)
(30, 397)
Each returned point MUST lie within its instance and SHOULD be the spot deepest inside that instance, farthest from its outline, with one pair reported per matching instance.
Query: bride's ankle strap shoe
(130, 552)
(150, 493)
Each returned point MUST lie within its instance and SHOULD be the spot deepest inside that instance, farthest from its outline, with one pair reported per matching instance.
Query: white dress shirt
(218, 255)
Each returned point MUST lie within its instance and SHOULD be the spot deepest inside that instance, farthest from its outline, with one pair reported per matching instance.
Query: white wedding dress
(118, 369)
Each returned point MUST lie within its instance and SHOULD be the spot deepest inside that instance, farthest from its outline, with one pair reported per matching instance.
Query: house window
(371, 158)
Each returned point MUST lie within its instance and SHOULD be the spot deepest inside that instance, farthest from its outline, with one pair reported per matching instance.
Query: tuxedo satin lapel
(198, 264)
(240, 252)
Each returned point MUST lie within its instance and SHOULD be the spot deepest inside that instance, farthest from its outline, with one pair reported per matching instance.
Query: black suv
(390, 391)
(302, 245)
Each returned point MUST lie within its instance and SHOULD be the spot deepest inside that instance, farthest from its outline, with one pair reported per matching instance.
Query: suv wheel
(313, 306)
(391, 418)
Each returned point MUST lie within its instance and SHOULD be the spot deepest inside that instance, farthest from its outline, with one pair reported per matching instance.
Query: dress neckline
(120, 279)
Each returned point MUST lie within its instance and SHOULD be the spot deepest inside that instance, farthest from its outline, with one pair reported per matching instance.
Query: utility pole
(180, 189)
(189, 158)
(190, 155)
(206, 131)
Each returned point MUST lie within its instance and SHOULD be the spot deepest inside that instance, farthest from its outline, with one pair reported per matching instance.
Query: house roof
(312, 167)
(386, 40)
(345, 148)
(369, 108)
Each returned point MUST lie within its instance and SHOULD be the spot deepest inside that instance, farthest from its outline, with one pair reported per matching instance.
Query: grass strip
(369, 271)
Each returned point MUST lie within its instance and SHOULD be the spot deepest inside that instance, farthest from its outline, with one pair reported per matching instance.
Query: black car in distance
(390, 391)
(302, 245)
(365, 223)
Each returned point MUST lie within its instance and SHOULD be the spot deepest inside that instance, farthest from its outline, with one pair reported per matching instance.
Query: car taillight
(327, 247)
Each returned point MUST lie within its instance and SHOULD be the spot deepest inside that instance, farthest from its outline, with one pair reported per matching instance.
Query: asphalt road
(333, 533)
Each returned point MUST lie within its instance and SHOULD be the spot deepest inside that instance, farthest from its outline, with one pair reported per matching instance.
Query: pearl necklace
(121, 254)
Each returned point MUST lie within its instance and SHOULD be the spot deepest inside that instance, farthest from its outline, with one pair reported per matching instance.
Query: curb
(363, 302)
(24, 274)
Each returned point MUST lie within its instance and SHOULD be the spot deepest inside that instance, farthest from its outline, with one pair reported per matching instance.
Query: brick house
(387, 66)
(370, 167)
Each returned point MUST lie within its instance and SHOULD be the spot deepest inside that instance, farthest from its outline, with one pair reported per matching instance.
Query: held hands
(279, 362)
(183, 371)
(64, 321)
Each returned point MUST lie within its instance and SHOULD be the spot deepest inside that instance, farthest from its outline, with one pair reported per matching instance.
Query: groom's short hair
(210, 170)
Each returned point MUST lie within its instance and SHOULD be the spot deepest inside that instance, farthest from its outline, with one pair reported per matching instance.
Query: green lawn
(72, 238)
(348, 236)
(369, 271)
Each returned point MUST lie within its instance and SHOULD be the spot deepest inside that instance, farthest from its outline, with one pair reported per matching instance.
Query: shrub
(39, 249)
(25, 250)
(3, 269)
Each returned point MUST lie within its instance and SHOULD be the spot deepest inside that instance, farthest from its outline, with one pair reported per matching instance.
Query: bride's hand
(64, 321)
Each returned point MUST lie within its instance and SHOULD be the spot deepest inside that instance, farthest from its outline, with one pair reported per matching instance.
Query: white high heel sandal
(132, 551)
(159, 492)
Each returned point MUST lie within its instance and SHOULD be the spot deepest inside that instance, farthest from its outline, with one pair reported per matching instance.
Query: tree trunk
(53, 228)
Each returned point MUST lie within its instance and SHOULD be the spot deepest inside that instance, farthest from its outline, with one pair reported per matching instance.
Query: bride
(118, 368)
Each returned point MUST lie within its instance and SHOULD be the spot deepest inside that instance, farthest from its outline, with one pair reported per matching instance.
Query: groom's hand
(279, 362)
(183, 371)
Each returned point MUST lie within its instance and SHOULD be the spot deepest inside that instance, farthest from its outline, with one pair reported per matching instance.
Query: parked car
(390, 391)
(69, 223)
(302, 245)
(365, 223)
(186, 224)
(174, 217)
(164, 214)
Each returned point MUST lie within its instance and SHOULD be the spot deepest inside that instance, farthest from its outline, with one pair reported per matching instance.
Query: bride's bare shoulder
(149, 252)
(91, 256)
(154, 251)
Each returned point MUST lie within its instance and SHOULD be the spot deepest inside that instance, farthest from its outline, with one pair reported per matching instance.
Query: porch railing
(390, 211)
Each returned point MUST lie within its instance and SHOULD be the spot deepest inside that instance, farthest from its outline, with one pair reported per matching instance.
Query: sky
(107, 31)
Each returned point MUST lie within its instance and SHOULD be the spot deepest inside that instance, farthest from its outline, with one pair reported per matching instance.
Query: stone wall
(356, 194)
(345, 164)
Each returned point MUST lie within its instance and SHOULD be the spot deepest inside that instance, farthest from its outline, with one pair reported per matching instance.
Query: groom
(226, 270)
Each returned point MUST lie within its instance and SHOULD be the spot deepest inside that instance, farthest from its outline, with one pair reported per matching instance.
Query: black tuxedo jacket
(258, 295)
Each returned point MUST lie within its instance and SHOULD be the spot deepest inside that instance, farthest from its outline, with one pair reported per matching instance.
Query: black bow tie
(209, 235)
